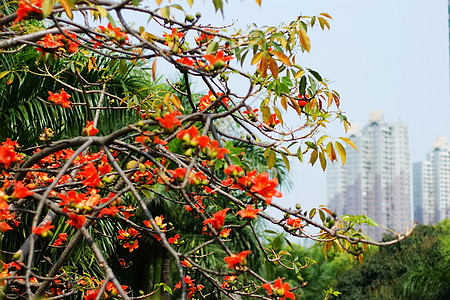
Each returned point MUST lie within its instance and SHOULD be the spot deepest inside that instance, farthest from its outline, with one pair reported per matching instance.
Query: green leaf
(311, 145)
(286, 161)
(266, 114)
(277, 243)
(323, 161)
(47, 7)
(312, 213)
(315, 74)
(300, 154)
(313, 157)
(321, 139)
(102, 11)
(212, 48)
(123, 66)
(279, 116)
(302, 86)
(218, 5)
(322, 215)
(341, 151)
(4, 73)
(289, 244)
(270, 231)
(272, 159)
(165, 12)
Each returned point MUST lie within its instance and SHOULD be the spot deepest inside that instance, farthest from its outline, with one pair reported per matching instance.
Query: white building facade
(375, 180)
(431, 189)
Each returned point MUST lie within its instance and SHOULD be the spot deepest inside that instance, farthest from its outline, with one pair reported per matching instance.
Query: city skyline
(375, 181)
(431, 184)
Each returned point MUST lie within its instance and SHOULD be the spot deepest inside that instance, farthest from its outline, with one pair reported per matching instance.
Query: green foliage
(415, 268)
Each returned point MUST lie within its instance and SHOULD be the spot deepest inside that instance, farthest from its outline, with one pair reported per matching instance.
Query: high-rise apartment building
(375, 180)
(431, 185)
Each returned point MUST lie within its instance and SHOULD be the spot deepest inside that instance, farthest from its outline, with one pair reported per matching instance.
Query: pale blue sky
(389, 55)
(385, 54)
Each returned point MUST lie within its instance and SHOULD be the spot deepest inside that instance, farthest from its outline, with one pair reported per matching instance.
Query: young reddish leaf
(191, 2)
(330, 99)
(341, 151)
(313, 157)
(330, 151)
(348, 141)
(323, 23)
(258, 2)
(279, 116)
(154, 69)
(263, 67)
(158, 2)
(326, 15)
(66, 4)
(304, 39)
(281, 56)
(257, 57)
(299, 74)
(284, 102)
(273, 67)
(176, 101)
(323, 161)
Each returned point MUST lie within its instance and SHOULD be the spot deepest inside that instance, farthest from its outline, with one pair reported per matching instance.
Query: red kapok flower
(174, 239)
(90, 174)
(60, 98)
(26, 10)
(217, 220)
(273, 120)
(20, 191)
(234, 171)
(265, 187)
(279, 290)
(249, 212)
(76, 221)
(302, 100)
(8, 155)
(50, 43)
(44, 228)
(169, 122)
(237, 261)
(218, 61)
(89, 130)
(62, 237)
(91, 294)
(294, 223)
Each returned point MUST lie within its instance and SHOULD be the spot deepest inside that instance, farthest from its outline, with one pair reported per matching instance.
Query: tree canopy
(117, 183)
